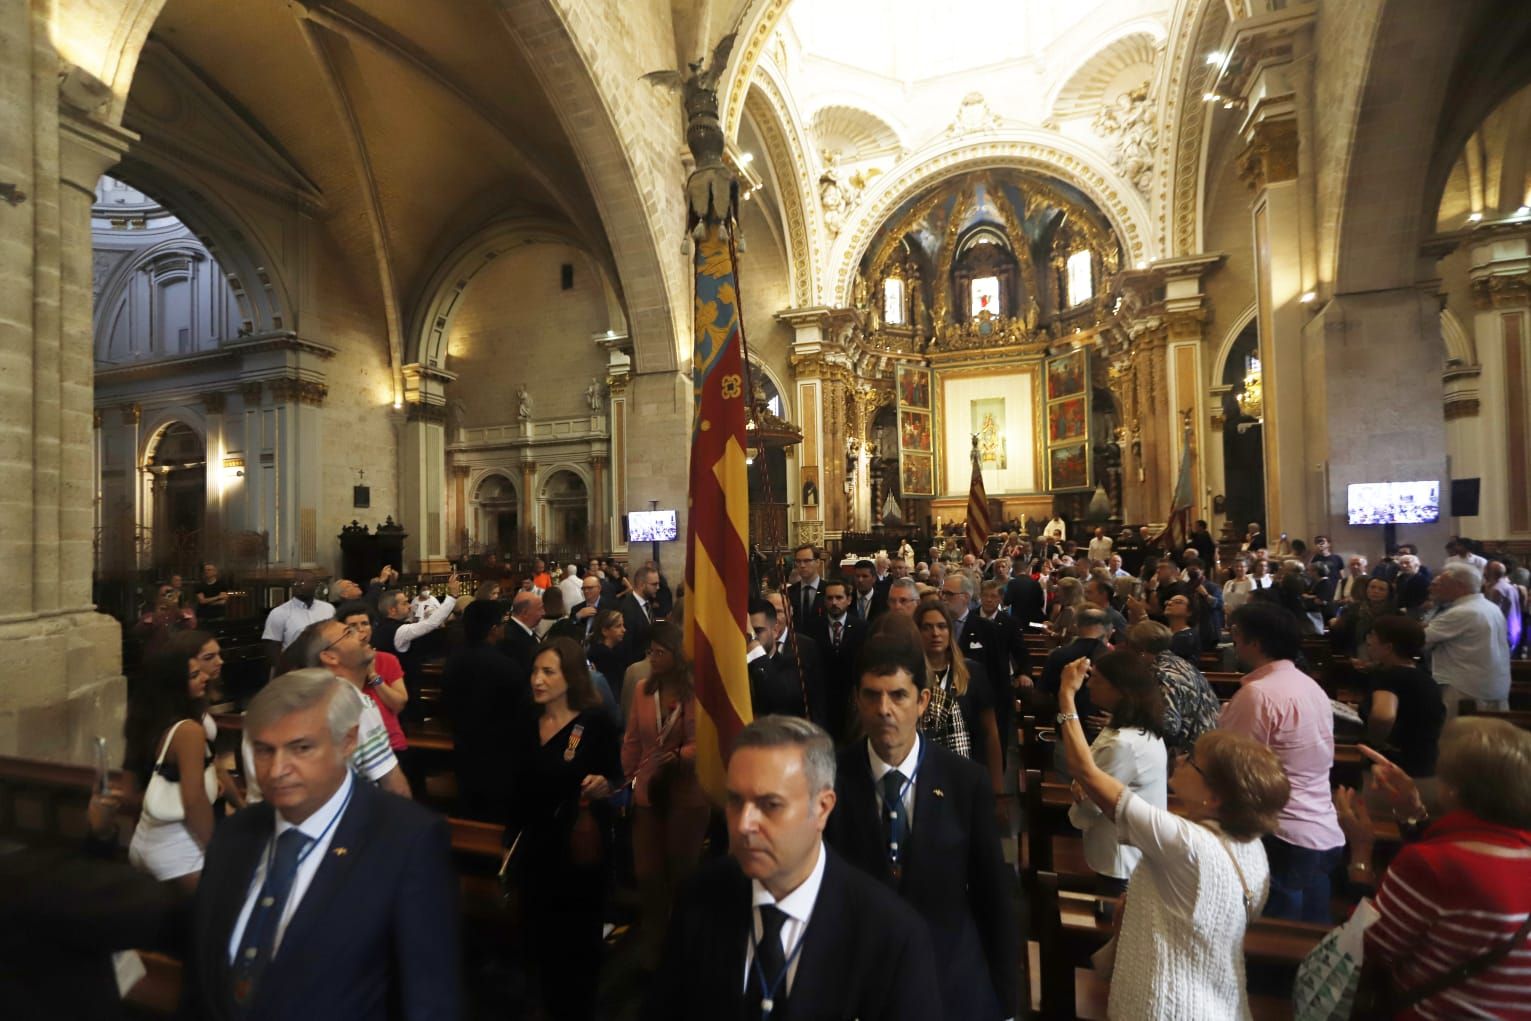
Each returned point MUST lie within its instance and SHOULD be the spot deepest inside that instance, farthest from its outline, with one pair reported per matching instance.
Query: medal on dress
(579, 732)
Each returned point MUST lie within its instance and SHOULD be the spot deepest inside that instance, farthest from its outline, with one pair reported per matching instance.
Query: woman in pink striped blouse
(1463, 890)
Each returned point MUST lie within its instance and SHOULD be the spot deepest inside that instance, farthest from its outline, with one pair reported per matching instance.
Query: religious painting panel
(1068, 467)
(1001, 406)
(918, 474)
(1067, 420)
(914, 430)
(1066, 375)
(913, 386)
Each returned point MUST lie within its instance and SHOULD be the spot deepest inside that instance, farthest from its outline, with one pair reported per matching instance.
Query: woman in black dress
(1402, 707)
(606, 651)
(565, 765)
(964, 678)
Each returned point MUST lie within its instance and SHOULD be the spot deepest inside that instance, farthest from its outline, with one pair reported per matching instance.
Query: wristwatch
(1065, 717)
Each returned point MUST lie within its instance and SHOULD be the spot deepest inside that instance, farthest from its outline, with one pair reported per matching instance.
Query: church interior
(303, 288)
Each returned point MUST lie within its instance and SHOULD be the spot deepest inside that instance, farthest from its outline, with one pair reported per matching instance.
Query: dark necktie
(836, 630)
(770, 963)
(807, 602)
(895, 821)
(259, 941)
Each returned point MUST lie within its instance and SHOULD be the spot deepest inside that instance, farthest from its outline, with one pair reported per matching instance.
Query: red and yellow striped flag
(717, 539)
(978, 508)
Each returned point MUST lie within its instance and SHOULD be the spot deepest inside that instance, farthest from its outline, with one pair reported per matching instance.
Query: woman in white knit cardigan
(1202, 878)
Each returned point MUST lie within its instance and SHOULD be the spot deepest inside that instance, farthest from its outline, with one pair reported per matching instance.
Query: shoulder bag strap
(1249, 900)
(1465, 970)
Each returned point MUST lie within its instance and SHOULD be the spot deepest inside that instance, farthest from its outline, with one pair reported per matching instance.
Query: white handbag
(162, 798)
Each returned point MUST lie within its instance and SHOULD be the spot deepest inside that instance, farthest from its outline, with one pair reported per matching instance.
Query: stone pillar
(598, 513)
(1185, 316)
(658, 463)
(298, 463)
(528, 508)
(63, 682)
(213, 477)
(423, 465)
(810, 327)
(458, 541)
(260, 462)
(1500, 261)
(618, 375)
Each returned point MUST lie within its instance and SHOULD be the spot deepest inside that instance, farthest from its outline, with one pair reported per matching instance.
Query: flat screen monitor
(1394, 503)
(651, 526)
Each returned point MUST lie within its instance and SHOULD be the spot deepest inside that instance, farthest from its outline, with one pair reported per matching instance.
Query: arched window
(893, 301)
(984, 292)
(1081, 278)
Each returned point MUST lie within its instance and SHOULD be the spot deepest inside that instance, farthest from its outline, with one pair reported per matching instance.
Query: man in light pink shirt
(1284, 709)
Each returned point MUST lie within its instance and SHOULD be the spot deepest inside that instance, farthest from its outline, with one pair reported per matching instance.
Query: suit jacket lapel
(351, 836)
(819, 962)
(927, 809)
(863, 815)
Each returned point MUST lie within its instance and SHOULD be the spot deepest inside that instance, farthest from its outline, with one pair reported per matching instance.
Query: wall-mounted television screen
(1394, 503)
(651, 526)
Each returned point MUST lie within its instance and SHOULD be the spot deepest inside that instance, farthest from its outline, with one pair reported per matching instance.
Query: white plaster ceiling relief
(1127, 127)
(973, 115)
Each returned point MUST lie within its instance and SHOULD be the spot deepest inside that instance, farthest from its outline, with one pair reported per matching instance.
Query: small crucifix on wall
(361, 493)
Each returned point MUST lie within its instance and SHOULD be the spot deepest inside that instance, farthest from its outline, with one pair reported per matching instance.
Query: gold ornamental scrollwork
(1501, 291)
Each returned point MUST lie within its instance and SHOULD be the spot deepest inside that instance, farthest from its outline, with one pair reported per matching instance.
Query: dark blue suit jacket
(864, 955)
(375, 936)
(954, 874)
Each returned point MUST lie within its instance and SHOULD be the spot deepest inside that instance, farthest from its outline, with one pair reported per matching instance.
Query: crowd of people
(863, 861)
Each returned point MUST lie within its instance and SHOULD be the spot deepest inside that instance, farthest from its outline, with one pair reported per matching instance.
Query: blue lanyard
(309, 848)
(768, 992)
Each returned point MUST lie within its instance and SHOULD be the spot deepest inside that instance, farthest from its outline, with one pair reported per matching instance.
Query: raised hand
(1398, 786)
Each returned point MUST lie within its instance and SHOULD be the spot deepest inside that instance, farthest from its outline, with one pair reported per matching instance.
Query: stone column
(259, 510)
(63, 681)
(659, 455)
(808, 367)
(298, 462)
(213, 475)
(458, 539)
(618, 374)
(598, 513)
(1185, 316)
(1500, 261)
(528, 508)
(423, 465)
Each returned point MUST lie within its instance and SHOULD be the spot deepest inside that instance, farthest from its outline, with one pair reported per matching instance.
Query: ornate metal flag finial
(712, 192)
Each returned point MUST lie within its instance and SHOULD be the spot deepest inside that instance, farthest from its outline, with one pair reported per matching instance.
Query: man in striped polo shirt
(340, 649)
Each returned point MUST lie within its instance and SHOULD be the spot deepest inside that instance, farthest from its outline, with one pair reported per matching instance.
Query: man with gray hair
(1466, 638)
(784, 920)
(381, 938)
(903, 597)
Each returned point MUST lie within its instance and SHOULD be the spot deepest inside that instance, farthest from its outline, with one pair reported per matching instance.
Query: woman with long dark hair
(1131, 749)
(563, 769)
(174, 826)
(659, 758)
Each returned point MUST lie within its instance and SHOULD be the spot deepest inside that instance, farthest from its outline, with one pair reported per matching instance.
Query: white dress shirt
(406, 635)
(908, 767)
(316, 827)
(286, 622)
(798, 907)
(1469, 649)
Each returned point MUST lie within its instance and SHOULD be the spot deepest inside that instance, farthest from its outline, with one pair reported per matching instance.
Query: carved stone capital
(424, 411)
(95, 419)
(1501, 291)
(1271, 155)
(1461, 407)
(132, 414)
(460, 471)
(301, 391)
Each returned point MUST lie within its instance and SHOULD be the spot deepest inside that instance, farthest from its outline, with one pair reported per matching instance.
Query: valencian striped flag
(1178, 530)
(978, 507)
(717, 541)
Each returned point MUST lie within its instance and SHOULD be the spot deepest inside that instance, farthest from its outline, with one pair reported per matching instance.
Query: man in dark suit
(868, 598)
(485, 695)
(1021, 593)
(921, 819)
(980, 640)
(1411, 584)
(839, 635)
(584, 613)
(640, 609)
(1206, 547)
(805, 596)
(1090, 626)
(330, 898)
(783, 926)
(521, 641)
(1011, 632)
(784, 686)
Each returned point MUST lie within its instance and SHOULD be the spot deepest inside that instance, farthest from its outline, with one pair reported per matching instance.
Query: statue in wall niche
(833, 196)
(1127, 127)
(523, 404)
(594, 394)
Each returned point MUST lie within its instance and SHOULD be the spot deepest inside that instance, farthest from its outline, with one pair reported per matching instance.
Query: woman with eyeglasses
(1203, 875)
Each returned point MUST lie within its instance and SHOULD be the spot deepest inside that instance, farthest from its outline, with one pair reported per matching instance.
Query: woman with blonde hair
(659, 760)
(1203, 876)
(1067, 601)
